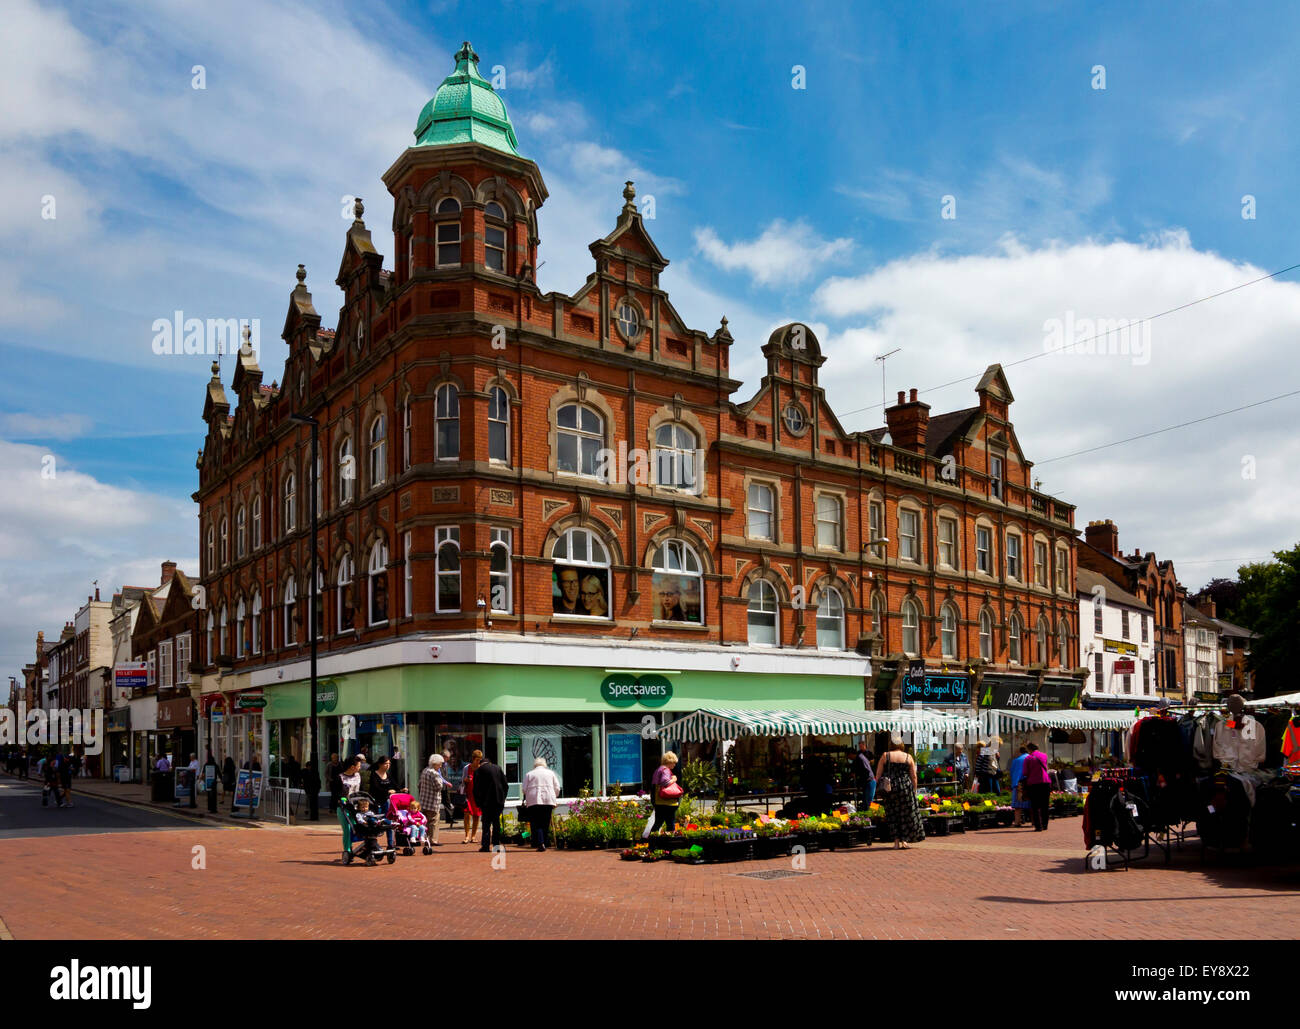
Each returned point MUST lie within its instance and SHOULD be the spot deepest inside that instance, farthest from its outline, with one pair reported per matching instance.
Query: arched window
(1063, 643)
(878, 615)
(318, 621)
(1013, 639)
(290, 503)
(225, 542)
(378, 451)
(448, 233)
(241, 532)
(498, 425)
(257, 622)
(290, 609)
(406, 434)
(677, 583)
(241, 619)
(674, 457)
(447, 413)
(830, 620)
(986, 635)
(500, 578)
(378, 585)
(410, 250)
(911, 628)
(580, 435)
(1042, 633)
(211, 638)
(762, 613)
(494, 237)
(320, 484)
(580, 583)
(347, 472)
(222, 640)
(257, 522)
(948, 631)
(830, 521)
(343, 605)
(447, 569)
(211, 549)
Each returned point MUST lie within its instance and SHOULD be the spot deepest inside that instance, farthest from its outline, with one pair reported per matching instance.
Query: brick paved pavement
(278, 883)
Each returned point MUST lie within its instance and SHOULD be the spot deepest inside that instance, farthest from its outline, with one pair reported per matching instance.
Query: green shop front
(596, 727)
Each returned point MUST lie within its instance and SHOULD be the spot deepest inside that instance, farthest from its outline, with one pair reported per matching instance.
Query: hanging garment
(1225, 811)
(1240, 747)
(1276, 724)
(1203, 740)
(1291, 745)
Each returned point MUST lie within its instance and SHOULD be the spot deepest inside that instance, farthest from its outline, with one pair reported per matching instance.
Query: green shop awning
(1019, 721)
(710, 724)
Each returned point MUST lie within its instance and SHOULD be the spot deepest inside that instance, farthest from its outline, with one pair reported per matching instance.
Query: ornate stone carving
(550, 506)
(501, 496)
(613, 514)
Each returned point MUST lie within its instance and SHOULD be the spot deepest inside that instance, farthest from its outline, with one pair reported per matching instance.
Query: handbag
(672, 791)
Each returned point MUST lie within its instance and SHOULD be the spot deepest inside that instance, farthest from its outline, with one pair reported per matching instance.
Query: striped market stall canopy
(731, 723)
(1286, 700)
(1016, 721)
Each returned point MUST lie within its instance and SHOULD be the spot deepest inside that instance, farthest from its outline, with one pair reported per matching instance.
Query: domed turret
(466, 110)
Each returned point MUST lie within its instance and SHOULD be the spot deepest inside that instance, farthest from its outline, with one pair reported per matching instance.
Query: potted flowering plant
(693, 855)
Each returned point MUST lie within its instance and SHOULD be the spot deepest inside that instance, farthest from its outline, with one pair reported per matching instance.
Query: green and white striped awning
(1069, 718)
(710, 724)
(1286, 700)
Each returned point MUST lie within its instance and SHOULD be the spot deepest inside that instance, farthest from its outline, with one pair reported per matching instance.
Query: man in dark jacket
(490, 789)
(864, 775)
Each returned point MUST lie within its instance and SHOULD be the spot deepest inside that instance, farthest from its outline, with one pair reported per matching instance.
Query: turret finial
(301, 275)
(629, 195)
(358, 208)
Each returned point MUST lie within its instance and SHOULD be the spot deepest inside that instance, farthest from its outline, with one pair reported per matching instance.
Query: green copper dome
(466, 110)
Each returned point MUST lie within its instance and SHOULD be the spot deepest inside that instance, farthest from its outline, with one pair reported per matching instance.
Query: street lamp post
(312, 775)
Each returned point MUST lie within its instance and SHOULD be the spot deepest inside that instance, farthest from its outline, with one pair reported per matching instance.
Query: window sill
(660, 623)
(582, 619)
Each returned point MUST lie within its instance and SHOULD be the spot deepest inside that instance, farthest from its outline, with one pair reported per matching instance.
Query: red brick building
(571, 482)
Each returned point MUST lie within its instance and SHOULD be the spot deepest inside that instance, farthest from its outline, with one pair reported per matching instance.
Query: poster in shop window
(533, 747)
(580, 590)
(676, 598)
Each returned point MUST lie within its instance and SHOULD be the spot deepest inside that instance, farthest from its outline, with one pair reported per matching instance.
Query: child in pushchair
(364, 827)
(412, 823)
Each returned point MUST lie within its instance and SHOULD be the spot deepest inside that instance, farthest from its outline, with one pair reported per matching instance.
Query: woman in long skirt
(896, 773)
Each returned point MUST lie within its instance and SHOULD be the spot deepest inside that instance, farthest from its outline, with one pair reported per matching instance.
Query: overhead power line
(1074, 343)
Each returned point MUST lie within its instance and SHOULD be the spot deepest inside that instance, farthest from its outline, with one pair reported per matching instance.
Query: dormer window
(494, 237)
(448, 233)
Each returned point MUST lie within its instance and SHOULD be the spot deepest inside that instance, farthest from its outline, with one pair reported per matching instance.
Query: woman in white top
(349, 783)
(541, 794)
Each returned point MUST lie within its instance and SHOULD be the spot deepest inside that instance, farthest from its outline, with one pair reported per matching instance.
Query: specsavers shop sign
(624, 689)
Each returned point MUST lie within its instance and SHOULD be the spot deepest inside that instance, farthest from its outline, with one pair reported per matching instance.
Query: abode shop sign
(624, 689)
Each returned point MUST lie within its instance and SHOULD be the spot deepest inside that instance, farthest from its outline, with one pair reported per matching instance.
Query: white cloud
(785, 252)
(26, 425)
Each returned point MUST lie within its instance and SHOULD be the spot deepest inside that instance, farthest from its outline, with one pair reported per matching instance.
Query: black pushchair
(365, 834)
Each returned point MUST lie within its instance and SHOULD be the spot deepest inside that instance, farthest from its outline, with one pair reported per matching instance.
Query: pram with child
(412, 823)
(363, 828)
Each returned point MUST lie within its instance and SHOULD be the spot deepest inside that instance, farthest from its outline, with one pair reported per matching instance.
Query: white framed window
(241, 532)
(257, 522)
(1146, 676)
(1098, 607)
(948, 631)
(447, 569)
(410, 251)
(1146, 627)
(165, 665)
(1062, 569)
(986, 635)
(318, 620)
(830, 620)
(378, 451)
(795, 420)
(241, 621)
(377, 583)
(153, 667)
(347, 468)
(677, 583)
(494, 237)
(1040, 563)
(1041, 635)
(320, 485)
(211, 549)
(290, 606)
(909, 535)
(1014, 639)
(360, 335)
(344, 611)
(580, 576)
(408, 577)
(1013, 557)
(223, 639)
(498, 425)
(183, 656)
(997, 485)
(447, 233)
(447, 418)
(674, 457)
(406, 434)
(501, 573)
(948, 542)
(878, 615)
(1123, 624)
(830, 521)
(579, 437)
(257, 622)
(1098, 674)
(760, 511)
(984, 550)
(290, 503)
(1063, 643)
(628, 320)
(225, 542)
(210, 642)
(911, 628)
(876, 521)
(762, 614)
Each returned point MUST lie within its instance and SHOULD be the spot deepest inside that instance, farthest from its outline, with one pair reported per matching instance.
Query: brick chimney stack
(168, 570)
(1104, 536)
(1207, 607)
(908, 421)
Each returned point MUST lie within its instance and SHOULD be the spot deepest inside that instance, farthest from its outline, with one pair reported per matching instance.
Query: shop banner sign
(625, 758)
(1008, 696)
(937, 689)
(1055, 696)
(623, 689)
(218, 716)
(250, 702)
(327, 697)
(248, 789)
(184, 783)
(1120, 647)
(1124, 666)
(118, 720)
(131, 675)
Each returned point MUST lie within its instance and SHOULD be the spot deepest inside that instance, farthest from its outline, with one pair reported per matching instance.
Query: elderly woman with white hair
(431, 787)
(896, 774)
(541, 794)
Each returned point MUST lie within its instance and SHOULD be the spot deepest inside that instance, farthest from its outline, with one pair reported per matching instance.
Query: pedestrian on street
(162, 764)
(228, 774)
(381, 784)
(1019, 794)
(349, 782)
(1038, 784)
(490, 789)
(897, 775)
(193, 768)
(332, 779)
(960, 767)
(50, 776)
(665, 806)
(311, 786)
(866, 778)
(431, 786)
(541, 794)
(472, 811)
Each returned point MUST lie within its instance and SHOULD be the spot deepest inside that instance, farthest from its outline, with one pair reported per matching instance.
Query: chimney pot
(913, 396)
(900, 397)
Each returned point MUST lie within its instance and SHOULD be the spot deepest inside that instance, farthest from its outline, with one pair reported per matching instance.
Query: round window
(794, 418)
(628, 319)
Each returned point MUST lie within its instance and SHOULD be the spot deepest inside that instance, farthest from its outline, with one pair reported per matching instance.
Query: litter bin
(164, 786)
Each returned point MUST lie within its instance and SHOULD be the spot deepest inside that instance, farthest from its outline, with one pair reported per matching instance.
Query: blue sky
(773, 203)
